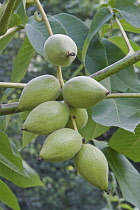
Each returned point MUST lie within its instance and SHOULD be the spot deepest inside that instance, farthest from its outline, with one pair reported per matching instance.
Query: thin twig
(12, 85)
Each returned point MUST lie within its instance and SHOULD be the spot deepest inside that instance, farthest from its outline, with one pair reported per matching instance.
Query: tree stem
(100, 75)
(10, 108)
(128, 60)
(44, 17)
(12, 85)
(123, 95)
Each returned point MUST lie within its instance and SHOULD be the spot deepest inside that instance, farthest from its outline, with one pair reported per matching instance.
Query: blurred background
(64, 189)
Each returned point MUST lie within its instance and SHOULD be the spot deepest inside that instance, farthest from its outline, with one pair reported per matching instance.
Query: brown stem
(6, 109)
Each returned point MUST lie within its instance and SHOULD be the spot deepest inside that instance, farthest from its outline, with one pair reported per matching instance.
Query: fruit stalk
(46, 21)
(108, 201)
(73, 122)
(59, 76)
(44, 17)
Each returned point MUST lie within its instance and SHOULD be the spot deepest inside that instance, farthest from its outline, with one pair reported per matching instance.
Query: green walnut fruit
(83, 92)
(46, 118)
(38, 90)
(92, 165)
(61, 145)
(60, 50)
(80, 116)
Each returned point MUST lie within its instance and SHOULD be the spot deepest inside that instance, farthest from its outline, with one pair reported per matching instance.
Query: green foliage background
(63, 188)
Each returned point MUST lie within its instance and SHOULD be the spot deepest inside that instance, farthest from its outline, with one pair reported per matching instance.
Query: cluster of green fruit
(54, 118)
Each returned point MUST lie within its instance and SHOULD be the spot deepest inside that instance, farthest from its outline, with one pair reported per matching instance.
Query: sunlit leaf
(92, 129)
(8, 197)
(22, 61)
(120, 112)
(127, 143)
(129, 11)
(100, 18)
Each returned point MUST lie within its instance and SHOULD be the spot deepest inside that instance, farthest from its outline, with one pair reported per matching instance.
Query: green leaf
(129, 11)
(126, 206)
(105, 28)
(120, 112)
(21, 11)
(27, 138)
(100, 18)
(106, 83)
(22, 61)
(23, 115)
(7, 93)
(13, 168)
(4, 120)
(8, 197)
(29, 179)
(126, 26)
(127, 143)
(111, 3)
(121, 80)
(6, 155)
(95, 52)
(92, 129)
(126, 175)
(37, 32)
(14, 21)
(74, 27)
(119, 41)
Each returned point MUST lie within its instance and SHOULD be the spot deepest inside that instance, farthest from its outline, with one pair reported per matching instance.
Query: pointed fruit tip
(107, 192)
(17, 110)
(107, 93)
(39, 158)
(83, 140)
(23, 129)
